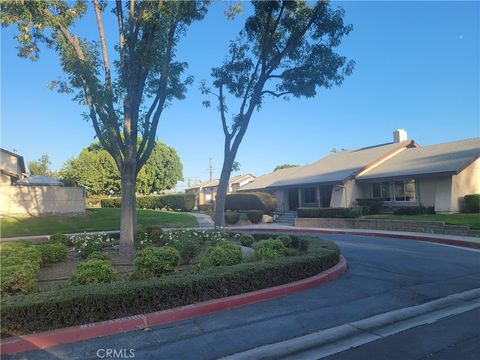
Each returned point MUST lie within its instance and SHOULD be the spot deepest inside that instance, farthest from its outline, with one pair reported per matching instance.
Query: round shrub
(232, 217)
(270, 249)
(155, 234)
(61, 238)
(286, 240)
(472, 203)
(247, 240)
(93, 271)
(155, 262)
(225, 253)
(53, 252)
(98, 255)
(255, 216)
(18, 279)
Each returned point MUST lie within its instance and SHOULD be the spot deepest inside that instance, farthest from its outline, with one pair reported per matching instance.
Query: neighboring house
(206, 192)
(401, 172)
(35, 195)
(12, 167)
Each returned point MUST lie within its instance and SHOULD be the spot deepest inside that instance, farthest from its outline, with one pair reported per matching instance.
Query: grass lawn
(472, 220)
(96, 219)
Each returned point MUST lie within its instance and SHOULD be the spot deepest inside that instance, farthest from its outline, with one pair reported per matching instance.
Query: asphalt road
(384, 274)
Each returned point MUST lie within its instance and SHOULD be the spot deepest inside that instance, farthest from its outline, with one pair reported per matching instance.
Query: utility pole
(211, 169)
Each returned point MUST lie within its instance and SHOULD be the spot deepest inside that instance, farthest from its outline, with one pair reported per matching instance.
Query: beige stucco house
(402, 172)
(22, 195)
(207, 191)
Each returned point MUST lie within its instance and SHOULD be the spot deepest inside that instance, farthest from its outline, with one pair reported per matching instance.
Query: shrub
(93, 271)
(472, 203)
(205, 207)
(155, 234)
(86, 244)
(61, 238)
(20, 253)
(18, 279)
(270, 248)
(113, 202)
(225, 253)
(52, 252)
(247, 240)
(232, 217)
(251, 201)
(98, 255)
(188, 247)
(255, 216)
(182, 202)
(26, 314)
(413, 210)
(155, 262)
(286, 240)
(371, 206)
(329, 212)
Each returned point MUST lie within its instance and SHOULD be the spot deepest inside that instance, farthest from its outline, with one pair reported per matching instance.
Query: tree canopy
(285, 166)
(42, 166)
(95, 169)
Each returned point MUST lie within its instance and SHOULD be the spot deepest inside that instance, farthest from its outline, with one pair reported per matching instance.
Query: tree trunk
(128, 216)
(222, 189)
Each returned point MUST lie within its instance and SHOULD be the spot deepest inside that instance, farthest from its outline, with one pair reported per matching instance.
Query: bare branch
(269, 92)
(101, 32)
(222, 113)
(121, 33)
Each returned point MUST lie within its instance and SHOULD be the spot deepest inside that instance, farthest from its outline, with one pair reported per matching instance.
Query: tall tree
(42, 166)
(96, 169)
(123, 101)
(286, 48)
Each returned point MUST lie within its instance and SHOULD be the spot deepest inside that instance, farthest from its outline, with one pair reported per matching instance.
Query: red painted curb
(72, 334)
(460, 243)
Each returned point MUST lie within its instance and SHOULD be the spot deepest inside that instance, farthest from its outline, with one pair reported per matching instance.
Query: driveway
(384, 274)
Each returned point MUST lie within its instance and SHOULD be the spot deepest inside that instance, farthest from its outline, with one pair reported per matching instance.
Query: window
(310, 196)
(381, 190)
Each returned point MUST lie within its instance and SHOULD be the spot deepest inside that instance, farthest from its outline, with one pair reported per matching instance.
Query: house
(12, 167)
(402, 173)
(35, 195)
(207, 191)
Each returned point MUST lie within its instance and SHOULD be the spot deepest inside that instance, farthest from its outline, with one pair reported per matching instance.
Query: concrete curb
(72, 334)
(445, 241)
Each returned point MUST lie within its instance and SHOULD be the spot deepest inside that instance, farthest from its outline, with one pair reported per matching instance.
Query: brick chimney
(400, 135)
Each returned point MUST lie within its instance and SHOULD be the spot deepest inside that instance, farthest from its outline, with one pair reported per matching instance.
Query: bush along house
(401, 173)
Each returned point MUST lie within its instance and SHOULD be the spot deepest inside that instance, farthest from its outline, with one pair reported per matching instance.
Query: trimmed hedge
(246, 240)
(154, 262)
(472, 203)
(90, 303)
(251, 201)
(182, 202)
(329, 212)
(93, 271)
(52, 252)
(232, 217)
(414, 210)
(255, 216)
(371, 206)
(270, 249)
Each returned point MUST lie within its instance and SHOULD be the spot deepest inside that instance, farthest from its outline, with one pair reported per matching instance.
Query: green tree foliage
(286, 49)
(42, 166)
(285, 166)
(96, 169)
(125, 98)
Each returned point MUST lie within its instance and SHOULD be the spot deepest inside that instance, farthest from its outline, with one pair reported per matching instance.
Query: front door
(292, 199)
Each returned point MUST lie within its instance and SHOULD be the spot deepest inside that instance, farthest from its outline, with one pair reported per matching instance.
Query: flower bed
(204, 279)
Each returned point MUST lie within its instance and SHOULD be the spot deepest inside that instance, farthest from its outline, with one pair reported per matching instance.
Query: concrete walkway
(204, 221)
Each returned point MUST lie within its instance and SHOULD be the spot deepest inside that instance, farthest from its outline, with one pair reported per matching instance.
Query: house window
(381, 190)
(310, 196)
(405, 190)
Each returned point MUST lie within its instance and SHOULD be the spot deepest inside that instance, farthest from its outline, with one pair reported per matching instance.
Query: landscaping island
(170, 269)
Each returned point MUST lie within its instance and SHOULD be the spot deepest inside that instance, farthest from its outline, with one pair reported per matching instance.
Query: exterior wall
(466, 182)
(344, 195)
(443, 194)
(281, 197)
(35, 200)
(10, 163)
(427, 191)
(5, 180)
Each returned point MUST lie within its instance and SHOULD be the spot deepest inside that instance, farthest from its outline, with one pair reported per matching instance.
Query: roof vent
(400, 135)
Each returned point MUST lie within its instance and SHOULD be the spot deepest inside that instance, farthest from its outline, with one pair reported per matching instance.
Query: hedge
(251, 201)
(255, 216)
(370, 206)
(414, 210)
(182, 202)
(472, 203)
(84, 304)
(329, 212)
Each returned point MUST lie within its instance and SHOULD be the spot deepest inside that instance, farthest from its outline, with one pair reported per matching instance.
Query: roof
(215, 182)
(446, 158)
(38, 180)
(21, 161)
(334, 168)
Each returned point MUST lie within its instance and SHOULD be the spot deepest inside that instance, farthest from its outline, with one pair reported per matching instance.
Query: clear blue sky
(418, 68)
